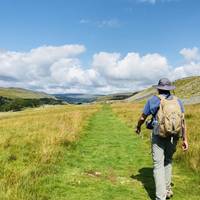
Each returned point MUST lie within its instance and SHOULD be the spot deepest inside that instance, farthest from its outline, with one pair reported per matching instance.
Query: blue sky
(164, 27)
(146, 27)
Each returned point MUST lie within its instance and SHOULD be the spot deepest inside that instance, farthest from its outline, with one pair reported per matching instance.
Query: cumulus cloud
(189, 69)
(58, 69)
(192, 65)
(192, 54)
(34, 69)
(132, 67)
(35, 63)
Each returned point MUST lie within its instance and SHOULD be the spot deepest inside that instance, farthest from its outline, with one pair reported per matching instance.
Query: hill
(116, 96)
(13, 93)
(88, 98)
(16, 99)
(188, 89)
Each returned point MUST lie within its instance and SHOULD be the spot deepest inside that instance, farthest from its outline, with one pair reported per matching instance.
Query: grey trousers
(162, 152)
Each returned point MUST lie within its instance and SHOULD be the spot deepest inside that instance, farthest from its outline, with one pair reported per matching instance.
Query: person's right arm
(185, 141)
(140, 122)
(144, 115)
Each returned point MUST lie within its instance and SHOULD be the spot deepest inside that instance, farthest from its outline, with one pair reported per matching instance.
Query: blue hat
(165, 84)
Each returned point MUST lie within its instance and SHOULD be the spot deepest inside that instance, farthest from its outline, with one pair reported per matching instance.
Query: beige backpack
(169, 117)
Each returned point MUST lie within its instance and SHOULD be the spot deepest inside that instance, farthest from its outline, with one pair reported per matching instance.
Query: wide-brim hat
(165, 84)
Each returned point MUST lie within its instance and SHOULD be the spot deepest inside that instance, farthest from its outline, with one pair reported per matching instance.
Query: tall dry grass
(32, 141)
(130, 112)
(191, 159)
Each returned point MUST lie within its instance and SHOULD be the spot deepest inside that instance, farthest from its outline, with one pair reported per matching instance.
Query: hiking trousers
(162, 153)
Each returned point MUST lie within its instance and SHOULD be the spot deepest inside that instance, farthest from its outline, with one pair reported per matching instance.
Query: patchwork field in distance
(33, 140)
(130, 112)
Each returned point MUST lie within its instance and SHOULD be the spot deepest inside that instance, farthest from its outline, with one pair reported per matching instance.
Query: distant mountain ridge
(188, 89)
(77, 98)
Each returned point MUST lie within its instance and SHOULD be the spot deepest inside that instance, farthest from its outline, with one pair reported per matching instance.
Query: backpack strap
(162, 97)
(154, 115)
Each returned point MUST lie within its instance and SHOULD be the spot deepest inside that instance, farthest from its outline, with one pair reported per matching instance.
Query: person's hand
(185, 145)
(138, 129)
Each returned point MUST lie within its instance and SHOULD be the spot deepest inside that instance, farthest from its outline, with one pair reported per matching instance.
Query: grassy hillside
(187, 88)
(116, 96)
(22, 93)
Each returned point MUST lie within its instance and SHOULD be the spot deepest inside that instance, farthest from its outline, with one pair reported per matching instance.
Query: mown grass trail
(109, 163)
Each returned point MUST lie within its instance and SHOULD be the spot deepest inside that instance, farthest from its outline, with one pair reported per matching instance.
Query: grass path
(109, 163)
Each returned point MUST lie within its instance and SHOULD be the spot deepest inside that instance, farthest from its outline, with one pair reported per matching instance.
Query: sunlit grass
(33, 140)
(130, 112)
(42, 156)
(192, 158)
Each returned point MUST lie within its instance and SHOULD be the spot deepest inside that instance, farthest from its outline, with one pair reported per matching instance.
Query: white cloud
(132, 67)
(192, 65)
(191, 54)
(67, 72)
(35, 63)
(59, 69)
(189, 69)
(33, 69)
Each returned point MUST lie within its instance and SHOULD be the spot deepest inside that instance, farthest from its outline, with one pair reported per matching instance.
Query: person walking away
(168, 126)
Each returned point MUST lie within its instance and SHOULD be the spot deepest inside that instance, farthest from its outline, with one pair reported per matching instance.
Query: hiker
(168, 125)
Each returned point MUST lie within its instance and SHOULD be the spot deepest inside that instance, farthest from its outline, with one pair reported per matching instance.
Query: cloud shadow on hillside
(145, 176)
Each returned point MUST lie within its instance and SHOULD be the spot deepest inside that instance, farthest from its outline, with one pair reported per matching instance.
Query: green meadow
(87, 152)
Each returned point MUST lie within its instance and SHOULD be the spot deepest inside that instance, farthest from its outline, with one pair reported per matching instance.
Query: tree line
(7, 104)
